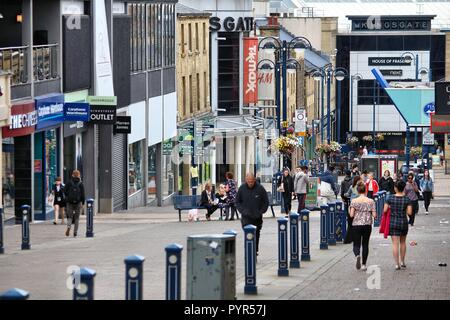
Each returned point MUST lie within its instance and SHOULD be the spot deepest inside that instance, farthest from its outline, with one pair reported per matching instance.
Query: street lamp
(423, 72)
(409, 57)
(319, 75)
(355, 77)
(339, 74)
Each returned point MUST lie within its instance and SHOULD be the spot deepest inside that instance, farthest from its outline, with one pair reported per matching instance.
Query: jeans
(361, 233)
(427, 199)
(301, 201)
(73, 215)
(415, 205)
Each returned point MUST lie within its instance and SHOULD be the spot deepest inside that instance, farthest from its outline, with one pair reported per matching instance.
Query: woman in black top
(59, 200)
(387, 183)
(287, 188)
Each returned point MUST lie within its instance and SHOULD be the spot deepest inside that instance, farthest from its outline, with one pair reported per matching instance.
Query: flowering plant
(379, 137)
(416, 151)
(368, 138)
(328, 148)
(353, 140)
(284, 144)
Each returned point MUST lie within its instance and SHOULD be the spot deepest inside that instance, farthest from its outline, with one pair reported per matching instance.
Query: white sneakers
(426, 213)
(363, 267)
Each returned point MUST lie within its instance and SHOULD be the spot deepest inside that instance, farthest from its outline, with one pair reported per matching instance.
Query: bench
(273, 202)
(184, 202)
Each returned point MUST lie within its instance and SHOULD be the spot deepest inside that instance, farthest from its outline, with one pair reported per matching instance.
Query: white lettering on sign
(19, 121)
(252, 74)
(102, 117)
(51, 109)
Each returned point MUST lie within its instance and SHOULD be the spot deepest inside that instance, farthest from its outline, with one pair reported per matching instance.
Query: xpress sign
(250, 70)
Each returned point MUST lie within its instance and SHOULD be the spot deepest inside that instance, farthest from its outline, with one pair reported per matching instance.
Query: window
(196, 37)
(198, 92)
(182, 39)
(183, 92)
(366, 93)
(191, 106)
(204, 36)
(228, 75)
(135, 167)
(190, 36)
(205, 90)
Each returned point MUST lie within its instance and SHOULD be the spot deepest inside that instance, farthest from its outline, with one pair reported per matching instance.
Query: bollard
(85, 289)
(332, 224)
(323, 227)
(250, 259)
(294, 220)
(282, 248)
(134, 277)
(1, 232)
(25, 227)
(173, 271)
(90, 218)
(305, 235)
(14, 294)
(338, 220)
(231, 232)
(376, 198)
(344, 221)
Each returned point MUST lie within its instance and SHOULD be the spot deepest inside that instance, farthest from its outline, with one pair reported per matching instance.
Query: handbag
(281, 187)
(50, 199)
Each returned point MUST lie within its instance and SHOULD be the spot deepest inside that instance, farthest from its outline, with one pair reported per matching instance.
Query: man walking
(252, 202)
(75, 199)
(300, 183)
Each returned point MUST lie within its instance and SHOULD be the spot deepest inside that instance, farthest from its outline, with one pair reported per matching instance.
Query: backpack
(74, 193)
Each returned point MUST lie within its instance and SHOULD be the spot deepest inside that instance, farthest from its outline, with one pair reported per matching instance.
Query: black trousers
(257, 223)
(370, 194)
(211, 209)
(415, 205)
(361, 235)
(287, 201)
(427, 199)
(301, 197)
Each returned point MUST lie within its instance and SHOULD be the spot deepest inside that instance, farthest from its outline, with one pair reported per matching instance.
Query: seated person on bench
(208, 201)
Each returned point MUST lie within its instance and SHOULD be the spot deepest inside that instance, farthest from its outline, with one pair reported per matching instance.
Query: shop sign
(300, 122)
(102, 100)
(440, 123)
(391, 73)
(427, 137)
(442, 97)
(102, 114)
(388, 61)
(167, 147)
(230, 24)
(122, 125)
(390, 23)
(250, 70)
(76, 111)
(50, 111)
(311, 196)
(23, 120)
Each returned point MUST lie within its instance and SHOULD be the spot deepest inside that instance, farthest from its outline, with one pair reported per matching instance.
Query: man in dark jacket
(345, 185)
(252, 202)
(75, 198)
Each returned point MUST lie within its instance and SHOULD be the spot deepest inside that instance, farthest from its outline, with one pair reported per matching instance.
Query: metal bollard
(250, 259)
(90, 218)
(324, 227)
(282, 248)
(305, 235)
(134, 277)
(376, 198)
(173, 271)
(338, 220)
(14, 294)
(25, 227)
(85, 290)
(1, 232)
(344, 221)
(294, 234)
(332, 224)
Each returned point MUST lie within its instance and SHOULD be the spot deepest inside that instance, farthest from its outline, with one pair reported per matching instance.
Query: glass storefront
(8, 176)
(136, 167)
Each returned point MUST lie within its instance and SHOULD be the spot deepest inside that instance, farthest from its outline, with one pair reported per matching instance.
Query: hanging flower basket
(326, 148)
(284, 145)
(416, 151)
(353, 140)
(379, 137)
(367, 138)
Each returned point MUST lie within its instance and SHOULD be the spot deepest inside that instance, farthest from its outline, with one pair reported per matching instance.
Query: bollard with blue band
(283, 270)
(25, 209)
(377, 199)
(338, 220)
(294, 235)
(304, 220)
(90, 218)
(173, 271)
(134, 277)
(332, 224)
(14, 294)
(250, 259)
(2, 250)
(85, 289)
(324, 227)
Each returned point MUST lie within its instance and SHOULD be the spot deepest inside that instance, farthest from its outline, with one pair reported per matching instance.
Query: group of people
(70, 198)
(224, 199)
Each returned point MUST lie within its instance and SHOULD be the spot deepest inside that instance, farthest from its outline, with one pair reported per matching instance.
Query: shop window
(135, 170)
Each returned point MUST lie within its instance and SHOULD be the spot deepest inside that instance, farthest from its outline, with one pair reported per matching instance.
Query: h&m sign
(231, 24)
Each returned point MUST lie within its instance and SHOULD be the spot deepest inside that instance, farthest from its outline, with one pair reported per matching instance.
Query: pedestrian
(221, 196)
(427, 186)
(365, 152)
(286, 187)
(352, 193)
(252, 202)
(362, 210)
(59, 199)
(440, 153)
(74, 192)
(327, 186)
(365, 176)
(400, 206)
(387, 183)
(411, 190)
(208, 201)
(231, 189)
(399, 176)
(300, 186)
(355, 171)
(371, 186)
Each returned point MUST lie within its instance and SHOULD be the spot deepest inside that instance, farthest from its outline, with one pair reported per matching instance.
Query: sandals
(397, 267)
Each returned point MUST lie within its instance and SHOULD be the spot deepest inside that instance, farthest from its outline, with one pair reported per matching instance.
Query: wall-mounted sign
(442, 97)
(300, 122)
(266, 84)
(440, 123)
(50, 110)
(391, 73)
(122, 125)
(391, 23)
(388, 61)
(102, 114)
(428, 109)
(23, 120)
(250, 70)
(167, 147)
(231, 24)
(76, 111)
(102, 100)
(427, 137)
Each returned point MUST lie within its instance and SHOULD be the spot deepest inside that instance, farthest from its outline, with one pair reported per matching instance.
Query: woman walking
(286, 186)
(352, 193)
(411, 191)
(230, 188)
(362, 210)
(387, 183)
(400, 206)
(59, 200)
(371, 186)
(427, 186)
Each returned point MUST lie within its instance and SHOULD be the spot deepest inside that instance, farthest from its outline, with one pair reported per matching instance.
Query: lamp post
(410, 57)
(355, 77)
(339, 74)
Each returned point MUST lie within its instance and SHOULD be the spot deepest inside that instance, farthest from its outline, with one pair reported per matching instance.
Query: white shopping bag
(193, 215)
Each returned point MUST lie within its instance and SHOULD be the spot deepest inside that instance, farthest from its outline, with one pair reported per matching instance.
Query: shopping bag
(193, 215)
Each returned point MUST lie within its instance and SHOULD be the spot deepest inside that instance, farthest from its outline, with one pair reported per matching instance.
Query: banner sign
(427, 137)
(122, 125)
(311, 196)
(266, 84)
(250, 70)
(388, 61)
(167, 147)
(391, 73)
(300, 122)
(102, 114)
(23, 120)
(442, 97)
(76, 111)
(50, 110)
(440, 123)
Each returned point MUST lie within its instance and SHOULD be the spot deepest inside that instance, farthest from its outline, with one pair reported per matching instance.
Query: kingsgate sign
(250, 70)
